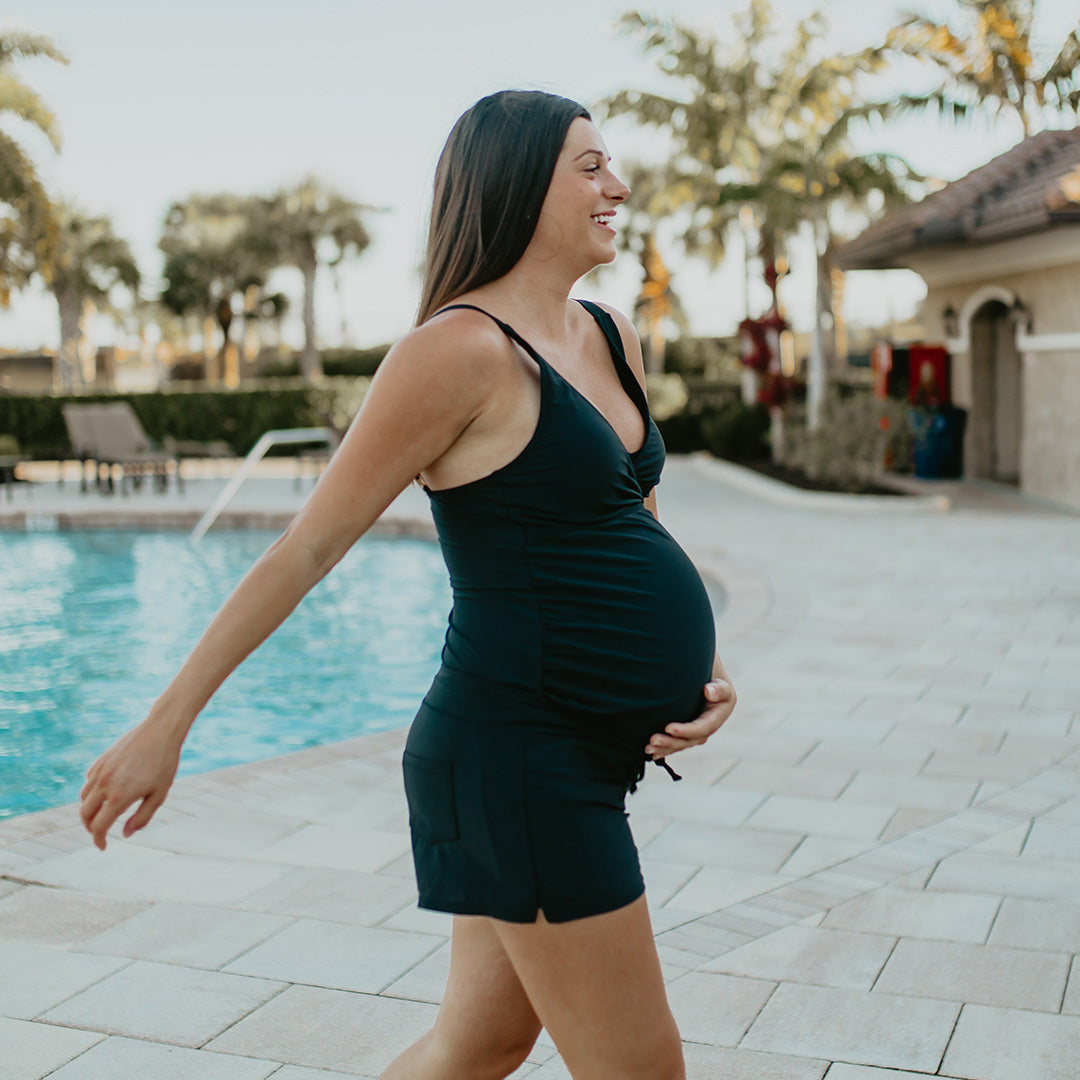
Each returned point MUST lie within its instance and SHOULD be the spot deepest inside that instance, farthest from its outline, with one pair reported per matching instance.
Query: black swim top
(566, 588)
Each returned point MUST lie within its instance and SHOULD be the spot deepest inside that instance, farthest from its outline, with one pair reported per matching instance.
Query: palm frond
(17, 43)
(17, 98)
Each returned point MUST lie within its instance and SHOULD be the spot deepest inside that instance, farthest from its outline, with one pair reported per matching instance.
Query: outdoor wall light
(1023, 315)
(951, 321)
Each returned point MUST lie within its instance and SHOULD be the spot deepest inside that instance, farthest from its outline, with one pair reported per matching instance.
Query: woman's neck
(535, 304)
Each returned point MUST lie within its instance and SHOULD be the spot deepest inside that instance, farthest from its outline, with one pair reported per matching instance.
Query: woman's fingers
(141, 818)
(720, 699)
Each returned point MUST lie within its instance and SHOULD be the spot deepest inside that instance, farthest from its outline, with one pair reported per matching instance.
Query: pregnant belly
(627, 631)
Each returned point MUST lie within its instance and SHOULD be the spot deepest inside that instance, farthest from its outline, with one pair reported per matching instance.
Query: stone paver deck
(872, 873)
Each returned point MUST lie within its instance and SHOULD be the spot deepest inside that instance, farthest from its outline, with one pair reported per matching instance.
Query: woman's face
(575, 219)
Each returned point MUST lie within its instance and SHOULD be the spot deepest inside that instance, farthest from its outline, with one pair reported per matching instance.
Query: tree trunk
(224, 314)
(310, 360)
(70, 368)
(816, 376)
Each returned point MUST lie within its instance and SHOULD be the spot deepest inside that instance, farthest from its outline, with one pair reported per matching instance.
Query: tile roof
(1031, 187)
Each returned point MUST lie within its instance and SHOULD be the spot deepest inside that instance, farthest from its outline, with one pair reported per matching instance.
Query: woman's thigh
(485, 1010)
(596, 985)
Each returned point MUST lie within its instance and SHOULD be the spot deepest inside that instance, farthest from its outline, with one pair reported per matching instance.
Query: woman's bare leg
(596, 986)
(486, 1026)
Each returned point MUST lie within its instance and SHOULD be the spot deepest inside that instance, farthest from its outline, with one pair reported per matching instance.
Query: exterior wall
(1050, 453)
(1050, 392)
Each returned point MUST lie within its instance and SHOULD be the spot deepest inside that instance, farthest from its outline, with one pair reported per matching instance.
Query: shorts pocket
(429, 788)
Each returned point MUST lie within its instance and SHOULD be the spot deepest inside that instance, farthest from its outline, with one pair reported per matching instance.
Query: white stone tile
(713, 887)
(296, 1072)
(336, 955)
(122, 1058)
(329, 1029)
(839, 1071)
(777, 778)
(759, 850)
(164, 1003)
(978, 974)
(686, 802)
(664, 879)
(36, 979)
(195, 880)
(42, 916)
(1048, 879)
(336, 895)
(1071, 1004)
(847, 1025)
(1010, 1044)
(818, 852)
(918, 791)
(190, 934)
(426, 981)
(716, 1009)
(818, 817)
(338, 848)
(99, 871)
(33, 1050)
(726, 1063)
(805, 954)
(913, 913)
(1038, 924)
(1053, 840)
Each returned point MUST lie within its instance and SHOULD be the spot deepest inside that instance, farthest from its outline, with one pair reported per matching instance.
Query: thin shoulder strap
(508, 330)
(607, 325)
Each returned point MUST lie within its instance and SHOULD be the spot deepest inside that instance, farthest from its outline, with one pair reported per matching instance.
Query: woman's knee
(488, 1055)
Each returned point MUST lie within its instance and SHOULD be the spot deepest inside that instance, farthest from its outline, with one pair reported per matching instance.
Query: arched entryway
(996, 388)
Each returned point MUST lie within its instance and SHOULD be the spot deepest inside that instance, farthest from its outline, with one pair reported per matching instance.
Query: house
(999, 250)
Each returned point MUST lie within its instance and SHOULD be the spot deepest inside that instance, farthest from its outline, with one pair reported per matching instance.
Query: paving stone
(846, 820)
(164, 1003)
(338, 848)
(420, 920)
(922, 792)
(1071, 1004)
(329, 1029)
(713, 887)
(664, 879)
(980, 974)
(983, 766)
(426, 981)
(203, 835)
(44, 916)
(758, 850)
(687, 802)
(336, 895)
(296, 1072)
(1038, 924)
(36, 979)
(716, 1009)
(195, 880)
(849, 757)
(122, 1058)
(1009, 1044)
(33, 1050)
(819, 852)
(804, 954)
(191, 934)
(1049, 879)
(725, 1063)
(912, 913)
(781, 779)
(1053, 840)
(336, 955)
(846, 1025)
(96, 870)
(839, 1071)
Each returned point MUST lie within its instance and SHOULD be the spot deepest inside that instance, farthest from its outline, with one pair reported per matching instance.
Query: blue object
(938, 435)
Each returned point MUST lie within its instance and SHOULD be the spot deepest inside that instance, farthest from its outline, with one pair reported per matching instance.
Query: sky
(161, 101)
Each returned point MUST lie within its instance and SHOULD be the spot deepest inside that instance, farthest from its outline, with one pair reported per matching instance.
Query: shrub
(237, 416)
(737, 432)
(860, 436)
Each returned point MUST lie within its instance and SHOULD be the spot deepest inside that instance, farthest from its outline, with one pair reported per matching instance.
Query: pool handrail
(280, 437)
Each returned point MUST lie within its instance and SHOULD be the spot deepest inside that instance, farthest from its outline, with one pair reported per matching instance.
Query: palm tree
(991, 63)
(27, 225)
(309, 224)
(766, 134)
(213, 255)
(88, 261)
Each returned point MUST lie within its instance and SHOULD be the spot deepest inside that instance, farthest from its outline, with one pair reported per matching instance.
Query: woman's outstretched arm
(428, 390)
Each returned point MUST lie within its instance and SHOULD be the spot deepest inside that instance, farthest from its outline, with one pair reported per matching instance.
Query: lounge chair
(109, 436)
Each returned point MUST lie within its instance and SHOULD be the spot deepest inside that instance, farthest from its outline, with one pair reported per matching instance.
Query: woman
(580, 637)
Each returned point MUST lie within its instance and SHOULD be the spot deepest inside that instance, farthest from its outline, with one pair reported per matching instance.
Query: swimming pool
(94, 624)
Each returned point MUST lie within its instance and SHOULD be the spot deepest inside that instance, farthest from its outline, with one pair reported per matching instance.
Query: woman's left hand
(720, 703)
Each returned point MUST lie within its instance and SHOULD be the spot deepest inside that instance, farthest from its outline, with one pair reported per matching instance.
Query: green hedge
(337, 363)
(237, 416)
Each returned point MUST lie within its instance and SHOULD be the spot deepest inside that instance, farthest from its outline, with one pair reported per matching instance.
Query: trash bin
(938, 437)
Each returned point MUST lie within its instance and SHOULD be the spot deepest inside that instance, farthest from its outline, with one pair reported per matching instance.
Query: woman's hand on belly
(720, 703)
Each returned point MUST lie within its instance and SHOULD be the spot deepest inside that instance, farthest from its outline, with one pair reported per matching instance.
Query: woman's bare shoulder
(462, 342)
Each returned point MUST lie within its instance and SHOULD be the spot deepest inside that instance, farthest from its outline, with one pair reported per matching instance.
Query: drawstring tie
(662, 762)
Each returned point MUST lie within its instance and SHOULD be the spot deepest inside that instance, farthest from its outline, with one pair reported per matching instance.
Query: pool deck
(872, 872)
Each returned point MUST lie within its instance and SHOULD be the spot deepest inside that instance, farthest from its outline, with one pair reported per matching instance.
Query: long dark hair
(490, 183)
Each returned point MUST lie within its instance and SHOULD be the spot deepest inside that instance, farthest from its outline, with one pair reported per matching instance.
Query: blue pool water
(94, 624)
